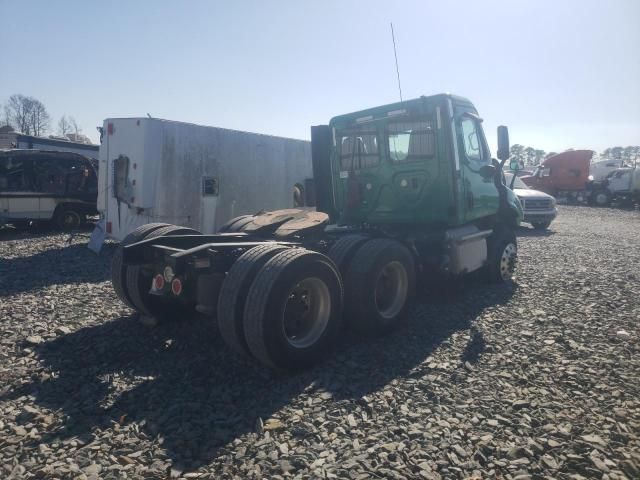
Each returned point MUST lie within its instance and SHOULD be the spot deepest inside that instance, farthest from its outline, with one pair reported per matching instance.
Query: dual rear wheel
(284, 306)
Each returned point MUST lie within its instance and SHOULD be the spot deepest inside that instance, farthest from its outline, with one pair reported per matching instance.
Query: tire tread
(233, 294)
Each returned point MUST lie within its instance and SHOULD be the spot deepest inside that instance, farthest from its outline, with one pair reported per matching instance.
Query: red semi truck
(564, 174)
(572, 175)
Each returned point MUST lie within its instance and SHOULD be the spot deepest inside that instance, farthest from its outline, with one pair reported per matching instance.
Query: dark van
(47, 186)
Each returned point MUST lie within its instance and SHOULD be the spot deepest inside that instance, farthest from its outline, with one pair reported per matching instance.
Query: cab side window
(472, 140)
(411, 141)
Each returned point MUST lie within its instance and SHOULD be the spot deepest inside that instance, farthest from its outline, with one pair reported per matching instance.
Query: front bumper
(540, 216)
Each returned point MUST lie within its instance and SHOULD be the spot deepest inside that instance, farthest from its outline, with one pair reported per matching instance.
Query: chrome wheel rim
(307, 312)
(392, 288)
(508, 261)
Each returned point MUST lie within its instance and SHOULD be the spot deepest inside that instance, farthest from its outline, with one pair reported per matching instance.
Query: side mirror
(503, 142)
(488, 172)
(514, 165)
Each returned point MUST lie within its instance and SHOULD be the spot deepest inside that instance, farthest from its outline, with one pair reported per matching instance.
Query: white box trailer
(154, 170)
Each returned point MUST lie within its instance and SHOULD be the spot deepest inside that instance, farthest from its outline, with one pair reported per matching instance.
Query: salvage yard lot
(541, 378)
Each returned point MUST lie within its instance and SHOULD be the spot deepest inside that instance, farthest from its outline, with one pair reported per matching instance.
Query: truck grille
(537, 204)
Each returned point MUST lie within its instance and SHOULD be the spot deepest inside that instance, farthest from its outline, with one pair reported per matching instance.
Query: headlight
(590, 178)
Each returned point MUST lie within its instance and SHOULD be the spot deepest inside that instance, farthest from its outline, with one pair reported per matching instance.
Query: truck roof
(374, 112)
(570, 157)
(36, 153)
(179, 122)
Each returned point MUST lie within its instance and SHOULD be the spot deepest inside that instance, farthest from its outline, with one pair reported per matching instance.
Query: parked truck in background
(401, 190)
(573, 176)
(563, 175)
(154, 170)
(621, 186)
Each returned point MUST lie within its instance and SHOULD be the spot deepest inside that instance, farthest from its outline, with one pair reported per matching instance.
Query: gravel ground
(537, 380)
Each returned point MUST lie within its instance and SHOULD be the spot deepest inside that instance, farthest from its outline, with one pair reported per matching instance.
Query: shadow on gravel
(178, 382)
(40, 231)
(59, 265)
(532, 232)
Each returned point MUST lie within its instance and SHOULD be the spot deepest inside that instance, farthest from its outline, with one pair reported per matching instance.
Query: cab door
(620, 181)
(479, 194)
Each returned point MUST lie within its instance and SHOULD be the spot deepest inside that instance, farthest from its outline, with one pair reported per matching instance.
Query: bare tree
(5, 117)
(18, 108)
(27, 115)
(64, 126)
(74, 126)
(40, 118)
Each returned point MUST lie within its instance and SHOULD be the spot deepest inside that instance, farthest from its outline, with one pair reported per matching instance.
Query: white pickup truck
(539, 208)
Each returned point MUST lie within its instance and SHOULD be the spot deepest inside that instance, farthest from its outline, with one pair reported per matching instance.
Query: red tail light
(158, 282)
(176, 286)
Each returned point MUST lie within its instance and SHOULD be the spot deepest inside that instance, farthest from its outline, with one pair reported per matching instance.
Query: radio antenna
(393, 37)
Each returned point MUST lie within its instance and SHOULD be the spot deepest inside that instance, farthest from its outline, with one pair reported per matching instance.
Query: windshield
(516, 184)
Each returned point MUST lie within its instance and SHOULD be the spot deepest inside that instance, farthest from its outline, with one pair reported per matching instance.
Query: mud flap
(97, 237)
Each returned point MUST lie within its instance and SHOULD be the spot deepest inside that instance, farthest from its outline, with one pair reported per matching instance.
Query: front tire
(380, 286)
(502, 255)
(602, 198)
(293, 309)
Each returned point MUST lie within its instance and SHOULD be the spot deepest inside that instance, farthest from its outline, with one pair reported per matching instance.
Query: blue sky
(559, 73)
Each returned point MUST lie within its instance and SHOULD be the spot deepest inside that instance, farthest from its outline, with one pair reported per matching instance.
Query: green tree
(529, 155)
(517, 152)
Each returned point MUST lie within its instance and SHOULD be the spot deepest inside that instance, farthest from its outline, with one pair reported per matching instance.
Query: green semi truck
(400, 191)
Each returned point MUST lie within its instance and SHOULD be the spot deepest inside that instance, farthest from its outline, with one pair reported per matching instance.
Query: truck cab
(419, 162)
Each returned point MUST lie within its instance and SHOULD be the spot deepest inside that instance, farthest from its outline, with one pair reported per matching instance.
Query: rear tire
(380, 286)
(293, 309)
(343, 250)
(235, 224)
(138, 283)
(118, 270)
(68, 218)
(502, 255)
(233, 295)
